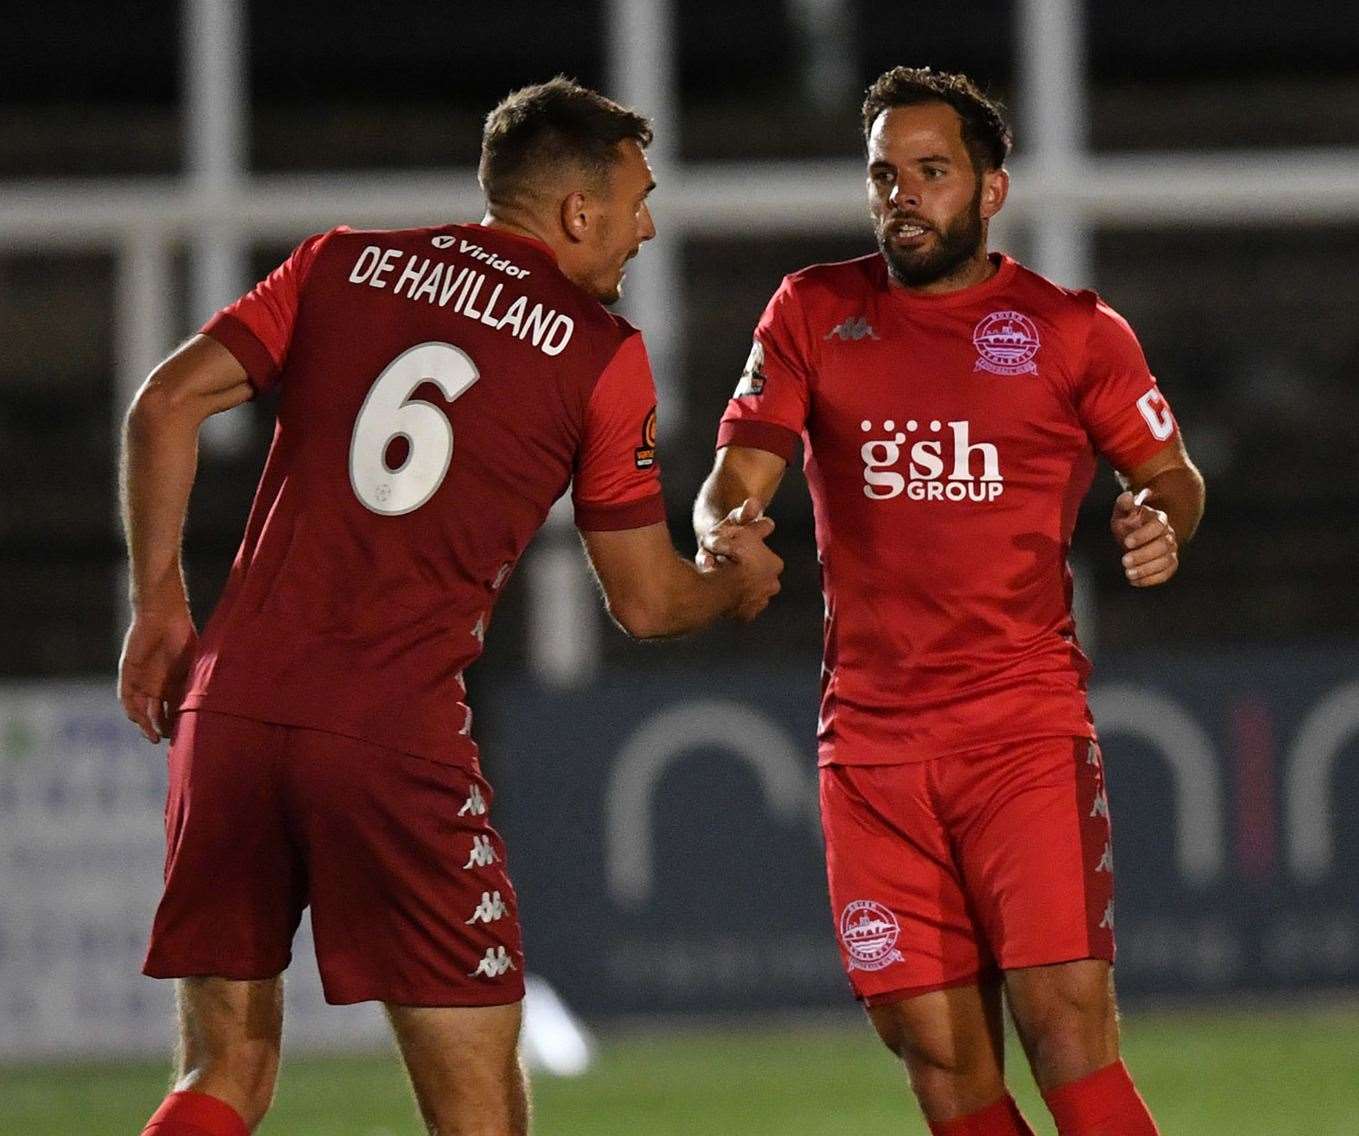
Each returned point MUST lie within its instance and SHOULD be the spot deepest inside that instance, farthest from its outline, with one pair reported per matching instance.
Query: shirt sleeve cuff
(758, 435)
(618, 515)
(237, 338)
(1126, 463)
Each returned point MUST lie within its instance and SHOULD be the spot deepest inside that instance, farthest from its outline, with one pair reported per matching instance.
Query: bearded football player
(950, 405)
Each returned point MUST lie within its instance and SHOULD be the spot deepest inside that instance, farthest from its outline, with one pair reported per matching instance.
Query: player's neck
(976, 270)
(517, 224)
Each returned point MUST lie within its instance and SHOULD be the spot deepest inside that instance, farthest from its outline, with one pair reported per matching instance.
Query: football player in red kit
(439, 389)
(950, 404)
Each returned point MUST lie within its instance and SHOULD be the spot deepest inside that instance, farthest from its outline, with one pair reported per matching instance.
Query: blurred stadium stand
(1199, 165)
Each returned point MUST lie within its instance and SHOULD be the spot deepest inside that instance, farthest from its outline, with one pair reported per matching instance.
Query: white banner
(82, 799)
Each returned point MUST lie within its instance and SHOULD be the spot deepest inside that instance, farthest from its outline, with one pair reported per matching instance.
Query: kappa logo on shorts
(482, 853)
(869, 932)
(491, 908)
(475, 803)
(493, 964)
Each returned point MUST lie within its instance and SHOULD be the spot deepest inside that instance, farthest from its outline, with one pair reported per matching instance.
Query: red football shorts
(943, 871)
(410, 902)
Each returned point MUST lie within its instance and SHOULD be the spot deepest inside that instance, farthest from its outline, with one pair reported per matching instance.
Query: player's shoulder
(838, 277)
(821, 288)
(1049, 297)
(1087, 314)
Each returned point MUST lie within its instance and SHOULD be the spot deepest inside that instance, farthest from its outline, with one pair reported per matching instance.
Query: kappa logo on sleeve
(752, 376)
(646, 452)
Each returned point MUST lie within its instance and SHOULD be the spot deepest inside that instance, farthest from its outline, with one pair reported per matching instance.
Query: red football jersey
(948, 441)
(439, 389)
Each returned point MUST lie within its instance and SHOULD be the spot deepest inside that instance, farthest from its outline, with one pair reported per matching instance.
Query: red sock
(1105, 1103)
(1000, 1119)
(195, 1114)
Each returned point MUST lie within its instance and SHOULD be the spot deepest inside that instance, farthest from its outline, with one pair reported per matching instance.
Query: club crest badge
(1006, 344)
(869, 932)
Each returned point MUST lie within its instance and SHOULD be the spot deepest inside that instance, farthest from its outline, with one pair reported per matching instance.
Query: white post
(565, 614)
(641, 68)
(143, 332)
(1052, 127)
(215, 106)
(829, 74)
(566, 624)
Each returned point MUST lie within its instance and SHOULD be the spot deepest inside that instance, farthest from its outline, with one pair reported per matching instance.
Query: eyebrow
(936, 158)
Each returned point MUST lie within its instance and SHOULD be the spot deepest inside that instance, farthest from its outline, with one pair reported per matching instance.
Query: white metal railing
(1061, 192)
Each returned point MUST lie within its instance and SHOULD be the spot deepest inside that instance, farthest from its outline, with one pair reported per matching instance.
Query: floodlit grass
(1244, 1072)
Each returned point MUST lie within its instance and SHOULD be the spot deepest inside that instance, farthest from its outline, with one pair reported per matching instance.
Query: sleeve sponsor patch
(752, 377)
(646, 452)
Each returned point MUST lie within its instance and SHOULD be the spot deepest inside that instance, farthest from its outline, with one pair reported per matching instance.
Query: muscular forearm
(720, 494)
(681, 599)
(1179, 493)
(160, 461)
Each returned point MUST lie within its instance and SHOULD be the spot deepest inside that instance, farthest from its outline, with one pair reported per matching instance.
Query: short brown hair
(548, 124)
(986, 133)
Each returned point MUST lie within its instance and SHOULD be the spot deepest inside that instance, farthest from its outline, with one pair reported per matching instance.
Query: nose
(905, 195)
(647, 227)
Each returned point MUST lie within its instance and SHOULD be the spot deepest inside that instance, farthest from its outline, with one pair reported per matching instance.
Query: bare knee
(242, 1076)
(464, 1067)
(950, 1045)
(1067, 1019)
(230, 1039)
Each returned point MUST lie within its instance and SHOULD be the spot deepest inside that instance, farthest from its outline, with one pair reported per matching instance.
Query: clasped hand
(737, 544)
(1150, 549)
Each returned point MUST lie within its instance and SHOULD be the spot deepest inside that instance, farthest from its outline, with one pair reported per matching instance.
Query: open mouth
(908, 233)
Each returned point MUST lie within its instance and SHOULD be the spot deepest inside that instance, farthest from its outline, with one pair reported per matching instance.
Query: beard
(954, 245)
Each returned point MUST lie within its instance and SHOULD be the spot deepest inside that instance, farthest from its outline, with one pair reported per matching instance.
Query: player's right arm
(740, 475)
(653, 593)
(242, 352)
(760, 430)
(160, 461)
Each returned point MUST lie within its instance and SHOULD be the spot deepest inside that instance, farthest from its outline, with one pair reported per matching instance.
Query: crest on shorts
(1006, 343)
(869, 932)
(752, 375)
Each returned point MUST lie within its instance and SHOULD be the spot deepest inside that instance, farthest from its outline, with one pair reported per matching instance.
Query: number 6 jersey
(439, 390)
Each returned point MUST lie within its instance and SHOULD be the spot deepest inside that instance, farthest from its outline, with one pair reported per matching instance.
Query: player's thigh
(463, 1063)
(902, 920)
(411, 903)
(1031, 828)
(235, 885)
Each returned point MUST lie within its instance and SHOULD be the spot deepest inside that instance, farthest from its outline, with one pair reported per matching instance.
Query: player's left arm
(1157, 514)
(160, 462)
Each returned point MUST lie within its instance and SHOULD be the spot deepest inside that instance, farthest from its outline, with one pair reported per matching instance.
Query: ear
(995, 189)
(575, 216)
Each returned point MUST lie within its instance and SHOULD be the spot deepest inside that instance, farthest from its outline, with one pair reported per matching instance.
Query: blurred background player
(951, 403)
(440, 388)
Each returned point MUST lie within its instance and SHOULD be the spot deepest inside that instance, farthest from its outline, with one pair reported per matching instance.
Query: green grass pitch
(1271, 1071)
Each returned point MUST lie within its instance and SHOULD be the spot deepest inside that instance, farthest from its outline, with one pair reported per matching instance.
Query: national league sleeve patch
(646, 452)
(752, 377)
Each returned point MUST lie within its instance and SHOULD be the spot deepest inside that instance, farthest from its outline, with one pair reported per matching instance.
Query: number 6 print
(1157, 414)
(389, 412)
